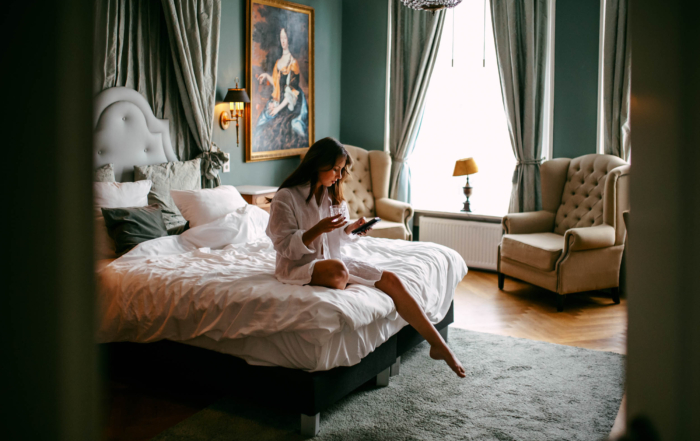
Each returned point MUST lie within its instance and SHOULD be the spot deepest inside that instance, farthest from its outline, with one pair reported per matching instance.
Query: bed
(205, 304)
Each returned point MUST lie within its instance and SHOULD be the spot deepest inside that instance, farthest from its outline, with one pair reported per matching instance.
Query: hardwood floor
(589, 320)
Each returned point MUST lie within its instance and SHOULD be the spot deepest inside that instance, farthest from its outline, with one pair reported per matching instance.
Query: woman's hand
(262, 77)
(277, 109)
(357, 224)
(324, 226)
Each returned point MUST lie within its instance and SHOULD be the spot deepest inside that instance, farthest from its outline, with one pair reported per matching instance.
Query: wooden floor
(589, 320)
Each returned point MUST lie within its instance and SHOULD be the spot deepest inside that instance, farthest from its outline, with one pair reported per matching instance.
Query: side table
(258, 195)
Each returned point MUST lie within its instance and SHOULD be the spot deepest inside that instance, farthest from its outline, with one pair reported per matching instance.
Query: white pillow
(115, 195)
(200, 207)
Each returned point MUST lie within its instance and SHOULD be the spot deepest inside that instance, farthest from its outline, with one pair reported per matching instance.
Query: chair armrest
(393, 210)
(588, 238)
(530, 222)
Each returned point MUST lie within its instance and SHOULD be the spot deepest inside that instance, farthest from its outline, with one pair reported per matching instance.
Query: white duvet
(214, 286)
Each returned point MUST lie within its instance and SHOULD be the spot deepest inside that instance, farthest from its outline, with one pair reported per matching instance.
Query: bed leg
(383, 377)
(396, 367)
(310, 425)
(443, 332)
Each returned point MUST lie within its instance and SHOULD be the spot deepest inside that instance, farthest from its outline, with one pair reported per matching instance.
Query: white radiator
(476, 242)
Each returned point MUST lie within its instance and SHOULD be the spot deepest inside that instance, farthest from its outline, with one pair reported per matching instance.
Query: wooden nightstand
(258, 195)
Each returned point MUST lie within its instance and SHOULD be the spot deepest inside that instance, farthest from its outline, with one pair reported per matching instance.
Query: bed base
(308, 393)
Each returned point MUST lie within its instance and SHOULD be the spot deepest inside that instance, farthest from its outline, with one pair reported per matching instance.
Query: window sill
(460, 215)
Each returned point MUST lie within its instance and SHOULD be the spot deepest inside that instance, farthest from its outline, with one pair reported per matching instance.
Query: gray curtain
(617, 67)
(132, 50)
(415, 40)
(193, 27)
(520, 33)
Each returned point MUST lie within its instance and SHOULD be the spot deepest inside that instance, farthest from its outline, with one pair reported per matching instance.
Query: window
(464, 117)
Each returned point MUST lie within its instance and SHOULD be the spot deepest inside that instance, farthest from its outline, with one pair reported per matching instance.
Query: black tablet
(366, 226)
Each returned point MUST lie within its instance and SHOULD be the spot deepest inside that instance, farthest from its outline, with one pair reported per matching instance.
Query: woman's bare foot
(444, 353)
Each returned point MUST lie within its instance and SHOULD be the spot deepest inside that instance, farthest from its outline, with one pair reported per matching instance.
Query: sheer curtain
(132, 49)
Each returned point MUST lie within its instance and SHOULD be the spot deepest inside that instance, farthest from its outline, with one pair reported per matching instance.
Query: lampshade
(465, 166)
(236, 96)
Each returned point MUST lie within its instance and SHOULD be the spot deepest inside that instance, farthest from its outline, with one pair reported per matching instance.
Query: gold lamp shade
(465, 166)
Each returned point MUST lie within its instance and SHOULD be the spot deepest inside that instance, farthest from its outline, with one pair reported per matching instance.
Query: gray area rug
(515, 389)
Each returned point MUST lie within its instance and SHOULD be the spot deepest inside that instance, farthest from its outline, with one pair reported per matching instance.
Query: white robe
(290, 217)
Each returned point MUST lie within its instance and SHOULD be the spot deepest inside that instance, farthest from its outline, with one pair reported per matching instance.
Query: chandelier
(431, 5)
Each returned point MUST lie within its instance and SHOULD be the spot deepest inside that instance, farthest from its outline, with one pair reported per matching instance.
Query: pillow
(170, 176)
(131, 226)
(105, 173)
(113, 195)
(203, 206)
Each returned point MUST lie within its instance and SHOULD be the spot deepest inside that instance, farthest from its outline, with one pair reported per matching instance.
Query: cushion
(200, 207)
(170, 176)
(539, 250)
(132, 225)
(105, 173)
(113, 195)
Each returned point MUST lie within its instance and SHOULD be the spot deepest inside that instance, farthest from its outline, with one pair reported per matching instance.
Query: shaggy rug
(515, 389)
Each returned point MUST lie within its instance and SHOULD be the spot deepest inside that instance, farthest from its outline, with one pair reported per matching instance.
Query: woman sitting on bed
(308, 240)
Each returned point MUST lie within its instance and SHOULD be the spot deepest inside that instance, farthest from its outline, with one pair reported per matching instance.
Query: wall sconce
(236, 99)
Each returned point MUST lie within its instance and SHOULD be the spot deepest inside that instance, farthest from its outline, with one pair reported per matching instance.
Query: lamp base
(224, 120)
(467, 193)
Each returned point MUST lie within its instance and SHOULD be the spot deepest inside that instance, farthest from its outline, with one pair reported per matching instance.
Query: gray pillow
(131, 226)
(170, 176)
(105, 173)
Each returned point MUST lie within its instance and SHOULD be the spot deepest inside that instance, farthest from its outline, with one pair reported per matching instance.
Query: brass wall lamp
(236, 98)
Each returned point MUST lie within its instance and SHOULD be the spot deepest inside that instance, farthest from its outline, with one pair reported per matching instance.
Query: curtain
(520, 34)
(415, 40)
(132, 50)
(193, 27)
(617, 67)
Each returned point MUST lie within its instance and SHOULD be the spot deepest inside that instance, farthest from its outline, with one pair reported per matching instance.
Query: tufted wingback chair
(575, 242)
(367, 193)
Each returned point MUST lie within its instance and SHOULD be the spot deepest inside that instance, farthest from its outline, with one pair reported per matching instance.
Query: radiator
(476, 242)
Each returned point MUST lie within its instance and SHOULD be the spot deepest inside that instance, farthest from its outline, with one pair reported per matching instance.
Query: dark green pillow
(131, 226)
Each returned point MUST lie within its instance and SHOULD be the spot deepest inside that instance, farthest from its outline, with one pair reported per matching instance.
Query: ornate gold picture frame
(280, 78)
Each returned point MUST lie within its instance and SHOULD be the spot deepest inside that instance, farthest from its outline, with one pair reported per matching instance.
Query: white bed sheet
(214, 286)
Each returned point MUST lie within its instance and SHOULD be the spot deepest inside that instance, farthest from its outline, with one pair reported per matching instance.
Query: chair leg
(501, 280)
(616, 295)
(560, 303)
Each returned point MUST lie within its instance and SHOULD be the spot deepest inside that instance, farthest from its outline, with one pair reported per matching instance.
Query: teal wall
(364, 73)
(576, 77)
(232, 53)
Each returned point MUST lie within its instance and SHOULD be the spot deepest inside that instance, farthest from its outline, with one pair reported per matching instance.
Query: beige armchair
(367, 193)
(576, 242)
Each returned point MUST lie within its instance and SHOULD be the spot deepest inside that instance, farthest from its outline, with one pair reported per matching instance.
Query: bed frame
(128, 134)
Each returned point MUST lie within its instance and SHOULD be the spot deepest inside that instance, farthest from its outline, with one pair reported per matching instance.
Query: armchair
(367, 193)
(575, 242)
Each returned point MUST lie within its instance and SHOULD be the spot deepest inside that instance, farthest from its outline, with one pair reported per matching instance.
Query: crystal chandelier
(431, 5)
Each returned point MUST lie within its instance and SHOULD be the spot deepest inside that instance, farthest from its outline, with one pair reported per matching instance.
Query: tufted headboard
(128, 134)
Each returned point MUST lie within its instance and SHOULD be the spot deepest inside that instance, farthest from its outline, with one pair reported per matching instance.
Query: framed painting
(280, 78)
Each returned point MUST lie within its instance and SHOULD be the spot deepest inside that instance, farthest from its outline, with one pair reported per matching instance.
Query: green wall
(232, 56)
(576, 77)
(364, 73)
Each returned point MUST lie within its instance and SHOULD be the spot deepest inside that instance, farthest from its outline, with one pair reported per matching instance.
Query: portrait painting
(280, 78)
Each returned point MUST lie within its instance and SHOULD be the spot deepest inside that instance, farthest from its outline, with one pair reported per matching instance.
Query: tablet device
(366, 226)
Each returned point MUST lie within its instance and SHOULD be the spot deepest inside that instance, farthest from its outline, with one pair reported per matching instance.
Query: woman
(283, 122)
(308, 241)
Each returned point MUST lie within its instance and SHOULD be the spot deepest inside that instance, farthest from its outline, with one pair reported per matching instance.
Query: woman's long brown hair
(321, 156)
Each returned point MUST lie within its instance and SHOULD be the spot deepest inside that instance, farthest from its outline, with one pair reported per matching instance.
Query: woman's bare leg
(409, 310)
(330, 273)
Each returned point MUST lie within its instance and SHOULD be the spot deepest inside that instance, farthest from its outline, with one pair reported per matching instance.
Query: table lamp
(467, 167)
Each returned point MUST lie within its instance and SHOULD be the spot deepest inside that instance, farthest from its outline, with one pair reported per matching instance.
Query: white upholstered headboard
(128, 134)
